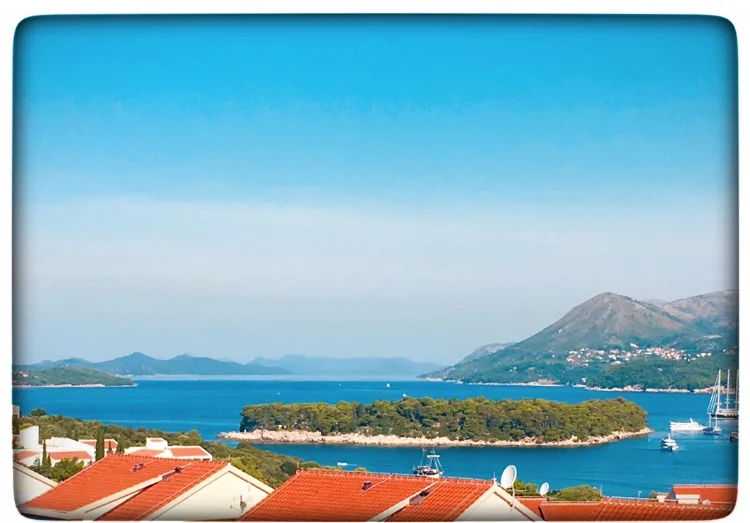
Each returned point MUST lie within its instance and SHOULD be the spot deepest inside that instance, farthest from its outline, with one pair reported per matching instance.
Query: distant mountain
(139, 364)
(307, 365)
(485, 350)
(607, 321)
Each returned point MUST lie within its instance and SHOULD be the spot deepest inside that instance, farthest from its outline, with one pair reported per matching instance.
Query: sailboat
(433, 468)
(712, 429)
(731, 402)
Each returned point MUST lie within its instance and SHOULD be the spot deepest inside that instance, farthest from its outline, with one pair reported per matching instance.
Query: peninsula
(68, 377)
(438, 422)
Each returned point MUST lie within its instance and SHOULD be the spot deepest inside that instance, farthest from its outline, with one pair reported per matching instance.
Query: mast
(737, 390)
(728, 384)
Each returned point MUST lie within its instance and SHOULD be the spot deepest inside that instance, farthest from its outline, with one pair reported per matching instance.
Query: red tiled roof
(713, 493)
(144, 452)
(106, 477)
(532, 503)
(70, 454)
(160, 494)
(322, 495)
(445, 501)
(611, 509)
(25, 454)
(189, 451)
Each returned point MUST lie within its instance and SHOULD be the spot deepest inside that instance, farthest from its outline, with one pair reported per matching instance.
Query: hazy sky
(377, 186)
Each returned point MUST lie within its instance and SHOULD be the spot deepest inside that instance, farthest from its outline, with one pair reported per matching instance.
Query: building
(682, 503)
(324, 495)
(126, 487)
(16, 411)
(27, 484)
(159, 448)
(58, 449)
(110, 445)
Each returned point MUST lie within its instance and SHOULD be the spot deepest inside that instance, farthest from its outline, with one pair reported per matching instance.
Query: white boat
(342, 464)
(669, 444)
(712, 429)
(433, 469)
(685, 426)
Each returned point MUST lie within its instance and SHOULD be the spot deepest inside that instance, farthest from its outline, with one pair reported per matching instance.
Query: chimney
(367, 485)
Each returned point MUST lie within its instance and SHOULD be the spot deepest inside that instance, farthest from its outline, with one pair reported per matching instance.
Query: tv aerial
(544, 489)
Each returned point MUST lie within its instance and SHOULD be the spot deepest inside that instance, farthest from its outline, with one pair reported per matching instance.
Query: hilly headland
(617, 342)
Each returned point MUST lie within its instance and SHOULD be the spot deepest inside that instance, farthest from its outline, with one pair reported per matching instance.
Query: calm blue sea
(622, 468)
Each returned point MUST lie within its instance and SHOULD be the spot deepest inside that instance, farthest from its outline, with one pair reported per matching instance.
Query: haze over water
(622, 468)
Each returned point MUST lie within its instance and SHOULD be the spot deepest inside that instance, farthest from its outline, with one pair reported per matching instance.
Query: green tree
(46, 460)
(578, 493)
(38, 412)
(99, 453)
(64, 469)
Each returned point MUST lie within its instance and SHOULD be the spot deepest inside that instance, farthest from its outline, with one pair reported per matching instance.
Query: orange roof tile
(106, 477)
(160, 494)
(189, 451)
(612, 509)
(445, 501)
(69, 454)
(24, 454)
(532, 503)
(713, 493)
(322, 495)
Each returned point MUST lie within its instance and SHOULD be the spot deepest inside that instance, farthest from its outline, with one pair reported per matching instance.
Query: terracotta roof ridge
(704, 485)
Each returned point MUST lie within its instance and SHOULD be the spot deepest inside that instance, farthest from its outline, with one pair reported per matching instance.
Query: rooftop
(322, 495)
(109, 476)
(712, 493)
(613, 509)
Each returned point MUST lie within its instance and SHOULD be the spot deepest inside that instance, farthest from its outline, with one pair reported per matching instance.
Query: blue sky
(255, 186)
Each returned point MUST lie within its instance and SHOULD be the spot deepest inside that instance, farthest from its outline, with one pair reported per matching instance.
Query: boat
(712, 429)
(725, 406)
(669, 444)
(733, 436)
(433, 468)
(685, 426)
(342, 464)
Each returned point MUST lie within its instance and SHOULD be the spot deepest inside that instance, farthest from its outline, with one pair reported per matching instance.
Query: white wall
(29, 437)
(218, 499)
(493, 508)
(27, 487)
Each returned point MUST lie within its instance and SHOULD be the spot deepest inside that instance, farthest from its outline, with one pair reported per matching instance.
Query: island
(438, 422)
(68, 377)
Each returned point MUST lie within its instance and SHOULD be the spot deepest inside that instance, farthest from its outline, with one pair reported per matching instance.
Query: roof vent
(706, 501)
(416, 500)
(138, 466)
(367, 485)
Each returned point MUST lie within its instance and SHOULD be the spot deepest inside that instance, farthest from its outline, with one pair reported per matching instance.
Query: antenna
(508, 477)
(544, 489)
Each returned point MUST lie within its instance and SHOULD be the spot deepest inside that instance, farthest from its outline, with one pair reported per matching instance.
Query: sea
(630, 468)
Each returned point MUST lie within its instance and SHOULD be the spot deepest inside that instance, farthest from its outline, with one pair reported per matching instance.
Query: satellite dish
(544, 489)
(508, 477)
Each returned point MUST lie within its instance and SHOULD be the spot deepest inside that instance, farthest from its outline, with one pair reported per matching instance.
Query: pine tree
(99, 445)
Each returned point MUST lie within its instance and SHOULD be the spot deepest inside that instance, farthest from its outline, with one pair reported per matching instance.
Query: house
(27, 484)
(110, 445)
(324, 495)
(58, 449)
(616, 509)
(683, 502)
(16, 411)
(705, 494)
(159, 448)
(126, 487)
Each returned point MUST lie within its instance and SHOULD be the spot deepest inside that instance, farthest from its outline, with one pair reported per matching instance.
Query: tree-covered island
(418, 421)
(68, 377)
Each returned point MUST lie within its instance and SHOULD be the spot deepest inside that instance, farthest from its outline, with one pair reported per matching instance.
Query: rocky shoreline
(70, 386)
(305, 437)
(547, 383)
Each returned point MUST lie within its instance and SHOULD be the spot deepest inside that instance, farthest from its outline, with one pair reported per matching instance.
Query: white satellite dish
(508, 477)
(544, 489)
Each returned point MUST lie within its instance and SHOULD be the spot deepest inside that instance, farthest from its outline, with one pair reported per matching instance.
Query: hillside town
(164, 482)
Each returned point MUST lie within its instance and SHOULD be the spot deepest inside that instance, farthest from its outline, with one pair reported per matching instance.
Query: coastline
(305, 437)
(70, 386)
(627, 388)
